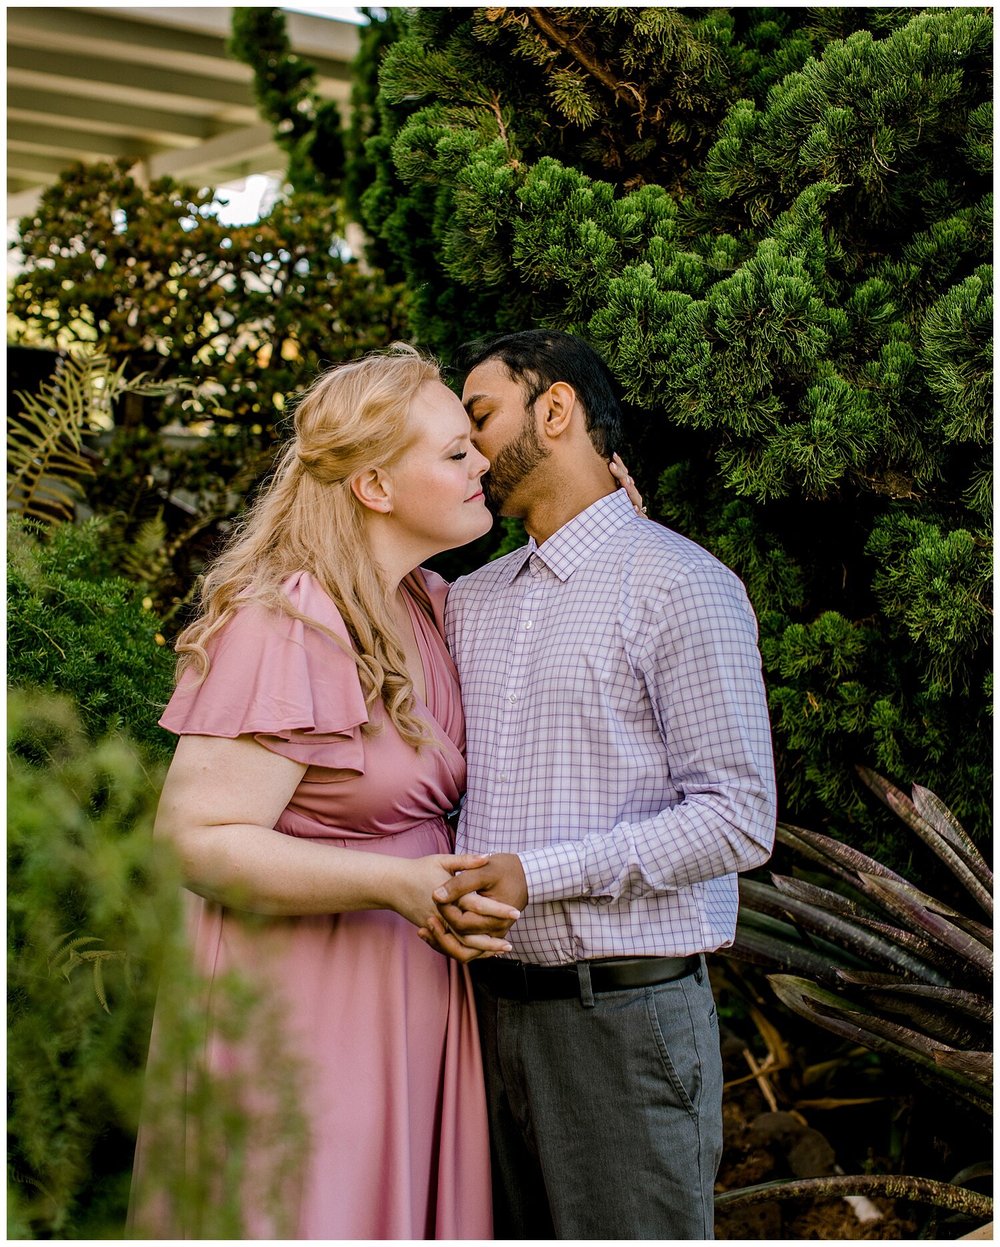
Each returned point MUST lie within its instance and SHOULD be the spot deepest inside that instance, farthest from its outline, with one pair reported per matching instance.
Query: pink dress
(382, 1028)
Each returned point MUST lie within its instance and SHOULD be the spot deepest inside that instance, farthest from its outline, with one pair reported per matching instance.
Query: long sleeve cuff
(555, 872)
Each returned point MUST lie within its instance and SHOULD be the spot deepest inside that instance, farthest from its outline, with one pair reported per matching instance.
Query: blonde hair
(307, 519)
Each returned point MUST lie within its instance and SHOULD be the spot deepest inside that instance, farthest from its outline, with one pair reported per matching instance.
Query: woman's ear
(558, 405)
(372, 490)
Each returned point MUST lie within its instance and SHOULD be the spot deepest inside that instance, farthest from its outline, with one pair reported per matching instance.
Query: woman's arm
(219, 805)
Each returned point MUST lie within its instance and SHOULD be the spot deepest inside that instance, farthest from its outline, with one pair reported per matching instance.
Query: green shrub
(89, 901)
(775, 226)
(74, 627)
(94, 937)
(232, 320)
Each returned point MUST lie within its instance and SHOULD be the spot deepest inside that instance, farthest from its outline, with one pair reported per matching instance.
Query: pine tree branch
(619, 89)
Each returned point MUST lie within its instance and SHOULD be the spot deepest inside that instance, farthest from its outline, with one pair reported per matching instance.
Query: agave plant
(865, 954)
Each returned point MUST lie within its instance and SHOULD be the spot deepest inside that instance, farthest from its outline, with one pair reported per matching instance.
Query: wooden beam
(92, 113)
(85, 143)
(87, 30)
(239, 150)
(128, 77)
(330, 46)
(32, 161)
(24, 200)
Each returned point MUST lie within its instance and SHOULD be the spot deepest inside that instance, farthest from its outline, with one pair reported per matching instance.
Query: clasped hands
(476, 908)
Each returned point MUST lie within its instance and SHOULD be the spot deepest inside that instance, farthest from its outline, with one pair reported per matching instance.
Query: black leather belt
(516, 980)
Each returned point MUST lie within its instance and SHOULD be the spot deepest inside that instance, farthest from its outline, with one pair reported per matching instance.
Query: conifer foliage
(775, 226)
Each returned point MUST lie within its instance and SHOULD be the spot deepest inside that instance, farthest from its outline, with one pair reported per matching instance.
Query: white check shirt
(618, 737)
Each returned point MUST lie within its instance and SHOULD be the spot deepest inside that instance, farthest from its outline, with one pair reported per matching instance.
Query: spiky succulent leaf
(950, 965)
(931, 808)
(822, 898)
(900, 803)
(889, 1186)
(911, 905)
(972, 1003)
(842, 855)
(860, 944)
(944, 1024)
(830, 1011)
(764, 950)
(978, 1065)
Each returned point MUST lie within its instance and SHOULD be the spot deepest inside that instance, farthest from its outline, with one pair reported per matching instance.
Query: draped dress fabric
(382, 1026)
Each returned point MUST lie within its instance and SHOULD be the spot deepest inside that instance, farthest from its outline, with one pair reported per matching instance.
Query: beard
(513, 464)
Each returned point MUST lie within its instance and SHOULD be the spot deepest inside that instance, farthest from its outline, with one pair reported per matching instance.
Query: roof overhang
(153, 85)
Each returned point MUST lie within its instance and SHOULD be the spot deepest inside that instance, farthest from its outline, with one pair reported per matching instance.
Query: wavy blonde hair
(354, 417)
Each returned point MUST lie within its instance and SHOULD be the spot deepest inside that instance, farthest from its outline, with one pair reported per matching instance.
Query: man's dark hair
(538, 358)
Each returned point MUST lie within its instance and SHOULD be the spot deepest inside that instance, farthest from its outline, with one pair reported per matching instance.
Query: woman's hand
(411, 896)
(619, 471)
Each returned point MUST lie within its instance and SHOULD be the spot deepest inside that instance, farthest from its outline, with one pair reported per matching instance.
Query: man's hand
(500, 879)
(477, 908)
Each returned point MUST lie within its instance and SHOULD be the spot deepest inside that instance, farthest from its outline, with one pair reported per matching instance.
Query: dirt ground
(822, 1109)
(747, 1161)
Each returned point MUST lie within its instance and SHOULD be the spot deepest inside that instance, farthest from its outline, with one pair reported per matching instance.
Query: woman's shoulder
(271, 671)
(307, 596)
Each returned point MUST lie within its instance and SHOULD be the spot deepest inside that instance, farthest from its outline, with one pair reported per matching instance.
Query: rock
(811, 1156)
(781, 1129)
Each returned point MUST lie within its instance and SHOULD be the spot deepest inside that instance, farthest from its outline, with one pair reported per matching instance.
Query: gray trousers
(605, 1117)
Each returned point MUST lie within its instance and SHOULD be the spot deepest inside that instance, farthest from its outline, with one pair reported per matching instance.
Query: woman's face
(437, 496)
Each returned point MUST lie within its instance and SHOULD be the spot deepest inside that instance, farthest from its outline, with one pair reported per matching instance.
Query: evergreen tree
(775, 226)
(306, 126)
(323, 155)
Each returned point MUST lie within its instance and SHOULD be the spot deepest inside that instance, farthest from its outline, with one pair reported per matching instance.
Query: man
(620, 774)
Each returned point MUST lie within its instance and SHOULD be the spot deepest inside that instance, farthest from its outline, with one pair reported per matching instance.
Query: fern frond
(99, 985)
(149, 553)
(65, 957)
(70, 950)
(46, 458)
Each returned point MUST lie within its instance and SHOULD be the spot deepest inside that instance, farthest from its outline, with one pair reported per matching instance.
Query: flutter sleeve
(281, 680)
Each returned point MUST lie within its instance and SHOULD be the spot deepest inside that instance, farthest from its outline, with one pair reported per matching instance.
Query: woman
(321, 748)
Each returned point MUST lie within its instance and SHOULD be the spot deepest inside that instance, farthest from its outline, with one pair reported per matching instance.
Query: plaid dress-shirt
(618, 737)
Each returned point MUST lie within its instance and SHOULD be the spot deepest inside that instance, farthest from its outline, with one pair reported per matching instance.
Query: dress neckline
(427, 644)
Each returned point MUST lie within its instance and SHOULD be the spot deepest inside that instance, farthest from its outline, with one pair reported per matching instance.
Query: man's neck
(548, 514)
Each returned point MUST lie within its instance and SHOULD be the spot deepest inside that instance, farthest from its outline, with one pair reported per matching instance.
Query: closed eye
(461, 455)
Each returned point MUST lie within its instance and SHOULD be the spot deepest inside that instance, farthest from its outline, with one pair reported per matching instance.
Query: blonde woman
(321, 747)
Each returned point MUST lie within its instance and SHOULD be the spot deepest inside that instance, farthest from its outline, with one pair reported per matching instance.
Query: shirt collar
(571, 545)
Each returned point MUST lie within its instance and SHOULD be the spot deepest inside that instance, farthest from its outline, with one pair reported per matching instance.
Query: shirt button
(503, 778)
(528, 626)
(512, 697)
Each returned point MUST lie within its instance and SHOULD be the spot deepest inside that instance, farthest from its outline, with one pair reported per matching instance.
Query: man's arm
(701, 667)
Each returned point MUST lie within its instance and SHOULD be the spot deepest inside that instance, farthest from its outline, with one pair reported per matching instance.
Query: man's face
(505, 432)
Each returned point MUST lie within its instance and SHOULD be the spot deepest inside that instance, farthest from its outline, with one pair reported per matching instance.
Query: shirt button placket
(514, 692)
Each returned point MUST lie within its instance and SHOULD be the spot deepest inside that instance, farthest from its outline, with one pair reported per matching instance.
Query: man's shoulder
(649, 549)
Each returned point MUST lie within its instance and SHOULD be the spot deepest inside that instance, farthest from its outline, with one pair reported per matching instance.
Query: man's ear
(558, 404)
(372, 490)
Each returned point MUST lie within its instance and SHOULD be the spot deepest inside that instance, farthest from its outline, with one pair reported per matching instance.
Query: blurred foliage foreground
(95, 934)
